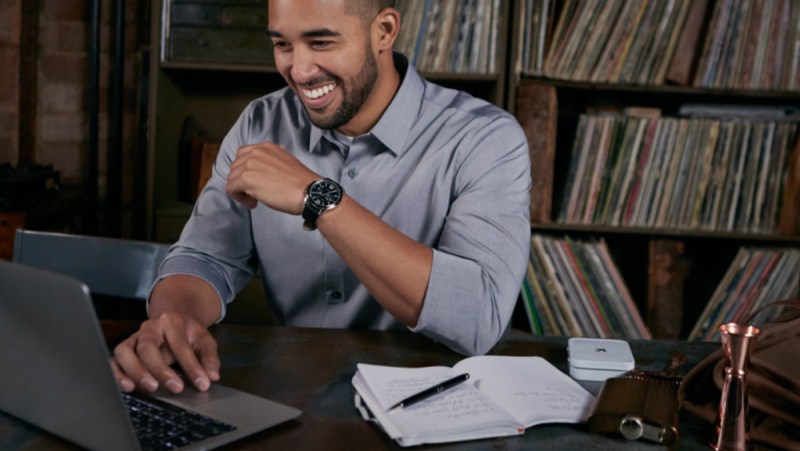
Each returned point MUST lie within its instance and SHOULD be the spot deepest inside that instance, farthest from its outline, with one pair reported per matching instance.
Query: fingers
(144, 359)
(242, 197)
(237, 187)
(186, 351)
(125, 383)
(132, 366)
(268, 174)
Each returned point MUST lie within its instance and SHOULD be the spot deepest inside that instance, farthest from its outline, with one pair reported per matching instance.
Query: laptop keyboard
(161, 426)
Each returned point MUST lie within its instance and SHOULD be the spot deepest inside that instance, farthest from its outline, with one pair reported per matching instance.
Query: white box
(597, 359)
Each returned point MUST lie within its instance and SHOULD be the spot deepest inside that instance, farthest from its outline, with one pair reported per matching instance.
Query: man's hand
(267, 173)
(144, 358)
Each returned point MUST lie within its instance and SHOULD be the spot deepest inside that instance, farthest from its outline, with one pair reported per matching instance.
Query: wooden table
(311, 369)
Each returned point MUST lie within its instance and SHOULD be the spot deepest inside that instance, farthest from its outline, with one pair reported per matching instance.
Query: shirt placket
(336, 295)
(334, 267)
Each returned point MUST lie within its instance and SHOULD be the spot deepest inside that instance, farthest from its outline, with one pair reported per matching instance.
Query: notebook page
(529, 388)
(456, 414)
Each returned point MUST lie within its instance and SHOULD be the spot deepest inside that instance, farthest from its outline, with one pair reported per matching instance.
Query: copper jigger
(732, 428)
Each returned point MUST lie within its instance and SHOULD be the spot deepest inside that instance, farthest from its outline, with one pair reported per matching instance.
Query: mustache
(317, 81)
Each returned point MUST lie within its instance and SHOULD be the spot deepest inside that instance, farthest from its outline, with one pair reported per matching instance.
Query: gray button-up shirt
(444, 168)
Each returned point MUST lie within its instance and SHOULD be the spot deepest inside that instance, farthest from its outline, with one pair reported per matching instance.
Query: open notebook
(56, 374)
(503, 396)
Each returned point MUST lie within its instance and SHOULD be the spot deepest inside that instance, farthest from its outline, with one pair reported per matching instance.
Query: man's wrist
(185, 294)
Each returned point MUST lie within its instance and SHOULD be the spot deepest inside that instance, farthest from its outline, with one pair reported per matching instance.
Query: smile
(318, 92)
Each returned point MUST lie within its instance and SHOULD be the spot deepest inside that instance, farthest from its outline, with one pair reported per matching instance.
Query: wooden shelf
(672, 271)
(762, 95)
(224, 67)
(772, 239)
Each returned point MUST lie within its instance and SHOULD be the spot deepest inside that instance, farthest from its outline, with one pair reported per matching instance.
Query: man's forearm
(394, 268)
(186, 294)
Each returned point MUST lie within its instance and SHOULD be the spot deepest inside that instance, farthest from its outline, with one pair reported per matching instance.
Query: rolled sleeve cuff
(182, 264)
(451, 297)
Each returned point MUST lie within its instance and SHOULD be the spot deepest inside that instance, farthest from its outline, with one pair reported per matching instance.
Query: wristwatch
(321, 195)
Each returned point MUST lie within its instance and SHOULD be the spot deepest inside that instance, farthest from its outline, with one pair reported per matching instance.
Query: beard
(355, 95)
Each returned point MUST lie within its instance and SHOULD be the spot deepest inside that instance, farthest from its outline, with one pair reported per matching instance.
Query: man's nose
(303, 65)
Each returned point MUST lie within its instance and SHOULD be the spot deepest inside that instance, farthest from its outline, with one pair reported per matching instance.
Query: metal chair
(118, 272)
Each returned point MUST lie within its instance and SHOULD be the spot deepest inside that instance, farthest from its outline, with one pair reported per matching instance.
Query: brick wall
(62, 133)
(10, 13)
(63, 73)
(62, 116)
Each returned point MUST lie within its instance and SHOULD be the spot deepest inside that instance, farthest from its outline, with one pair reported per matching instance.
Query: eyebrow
(318, 33)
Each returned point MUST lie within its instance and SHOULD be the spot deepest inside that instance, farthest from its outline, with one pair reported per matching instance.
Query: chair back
(108, 266)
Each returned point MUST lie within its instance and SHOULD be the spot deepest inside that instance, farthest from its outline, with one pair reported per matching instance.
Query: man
(414, 202)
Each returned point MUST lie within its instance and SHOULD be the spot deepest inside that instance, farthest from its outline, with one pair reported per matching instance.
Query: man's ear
(386, 27)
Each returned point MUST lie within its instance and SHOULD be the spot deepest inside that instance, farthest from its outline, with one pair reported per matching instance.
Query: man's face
(325, 56)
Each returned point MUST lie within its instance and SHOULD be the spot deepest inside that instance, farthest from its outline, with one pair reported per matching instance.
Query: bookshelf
(671, 270)
(210, 58)
(698, 84)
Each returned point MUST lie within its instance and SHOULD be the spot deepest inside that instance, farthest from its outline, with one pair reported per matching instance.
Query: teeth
(318, 92)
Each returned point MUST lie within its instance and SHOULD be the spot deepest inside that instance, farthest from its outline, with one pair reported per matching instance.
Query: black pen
(428, 392)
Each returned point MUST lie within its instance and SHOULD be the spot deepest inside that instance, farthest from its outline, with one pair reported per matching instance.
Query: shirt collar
(394, 126)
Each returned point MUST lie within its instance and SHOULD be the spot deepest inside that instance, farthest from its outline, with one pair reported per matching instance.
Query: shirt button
(334, 296)
(352, 173)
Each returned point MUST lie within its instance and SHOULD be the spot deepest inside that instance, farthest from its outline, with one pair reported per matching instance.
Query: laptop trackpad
(236, 407)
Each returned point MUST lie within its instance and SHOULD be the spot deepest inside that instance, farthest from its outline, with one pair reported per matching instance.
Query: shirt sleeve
(216, 244)
(484, 248)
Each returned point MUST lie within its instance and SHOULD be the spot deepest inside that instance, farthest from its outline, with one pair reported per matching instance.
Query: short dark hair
(367, 9)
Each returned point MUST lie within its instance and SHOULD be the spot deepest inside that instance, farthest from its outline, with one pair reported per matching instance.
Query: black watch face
(324, 193)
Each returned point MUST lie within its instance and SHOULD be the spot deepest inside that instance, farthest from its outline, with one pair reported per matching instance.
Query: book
(617, 32)
(527, 294)
(640, 41)
(664, 55)
(703, 176)
(607, 325)
(571, 13)
(607, 137)
(442, 46)
(503, 396)
(552, 323)
(714, 305)
(635, 172)
(789, 220)
(565, 273)
(431, 39)
(577, 165)
(681, 65)
(536, 111)
(756, 276)
(554, 286)
(542, 38)
(616, 287)
(650, 175)
(660, 173)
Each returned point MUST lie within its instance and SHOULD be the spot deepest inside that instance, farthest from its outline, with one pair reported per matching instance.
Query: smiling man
(367, 196)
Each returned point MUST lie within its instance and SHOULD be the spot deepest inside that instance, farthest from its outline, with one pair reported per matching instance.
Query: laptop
(56, 374)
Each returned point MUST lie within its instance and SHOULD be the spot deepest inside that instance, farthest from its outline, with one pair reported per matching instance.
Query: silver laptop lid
(56, 371)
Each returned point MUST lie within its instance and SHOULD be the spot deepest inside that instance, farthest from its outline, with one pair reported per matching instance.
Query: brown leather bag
(773, 383)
